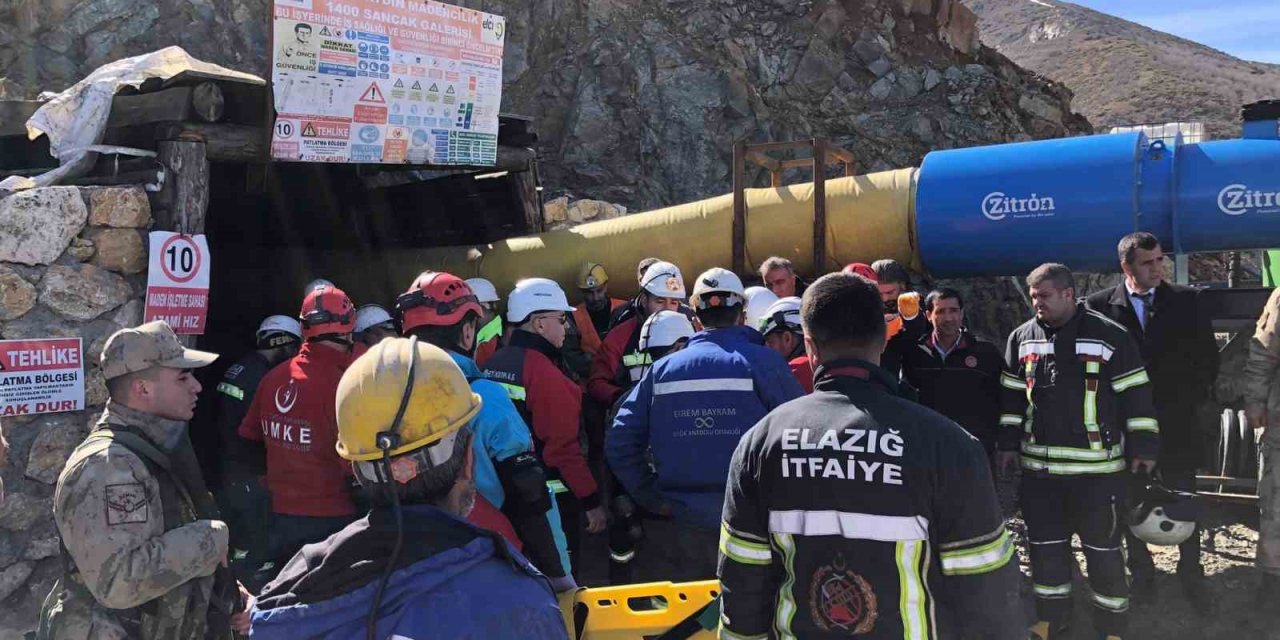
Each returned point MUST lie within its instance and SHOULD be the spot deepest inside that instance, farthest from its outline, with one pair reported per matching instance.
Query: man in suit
(1178, 346)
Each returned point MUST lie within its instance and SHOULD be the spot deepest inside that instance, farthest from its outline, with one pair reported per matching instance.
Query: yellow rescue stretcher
(656, 610)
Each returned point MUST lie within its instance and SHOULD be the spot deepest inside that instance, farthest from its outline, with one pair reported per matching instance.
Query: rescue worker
(686, 415)
(591, 318)
(316, 284)
(1077, 403)
(549, 401)
(1181, 357)
(784, 334)
(292, 413)
(144, 549)
(665, 332)
(759, 299)
(489, 337)
(373, 325)
(902, 312)
(412, 567)
(441, 309)
(618, 363)
(856, 512)
(1262, 398)
(957, 374)
(636, 307)
(779, 276)
(242, 496)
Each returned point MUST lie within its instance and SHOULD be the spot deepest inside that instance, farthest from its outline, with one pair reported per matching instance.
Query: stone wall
(564, 211)
(72, 264)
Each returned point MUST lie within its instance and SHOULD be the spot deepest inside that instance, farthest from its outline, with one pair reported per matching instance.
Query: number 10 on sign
(178, 281)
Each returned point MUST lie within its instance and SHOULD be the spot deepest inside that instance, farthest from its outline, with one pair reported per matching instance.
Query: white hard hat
(783, 314)
(1163, 516)
(663, 280)
(484, 290)
(664, 329)
(758, 300)
(316, 284)
(535, 294)
(280, 324)
(716, 280)
(369, 316)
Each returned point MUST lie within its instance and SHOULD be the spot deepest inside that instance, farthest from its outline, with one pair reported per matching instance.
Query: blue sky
(1248, 29)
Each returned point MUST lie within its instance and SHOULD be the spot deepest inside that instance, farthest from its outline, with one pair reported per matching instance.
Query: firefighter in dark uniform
(1078, 406)
(854, 511)
(956, 374)
(241, 494)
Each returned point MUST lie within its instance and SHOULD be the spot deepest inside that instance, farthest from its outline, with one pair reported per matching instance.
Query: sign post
(178, 281)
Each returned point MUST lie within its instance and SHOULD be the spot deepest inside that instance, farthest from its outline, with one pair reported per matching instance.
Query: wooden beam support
(739, 206)
(225, 142)
(778, 146)
(184, 200)
(841, 154)
(819, 206)
(763, 160)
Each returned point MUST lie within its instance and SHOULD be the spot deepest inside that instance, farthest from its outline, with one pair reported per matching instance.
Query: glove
(909, 305)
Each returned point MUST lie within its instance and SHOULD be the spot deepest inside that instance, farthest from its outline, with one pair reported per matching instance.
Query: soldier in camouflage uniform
(142, 542)
(1262, 398)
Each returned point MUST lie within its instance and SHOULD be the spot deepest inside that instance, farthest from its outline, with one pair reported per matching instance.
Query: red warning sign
(369, 115)
(373, 94)
(322, 129)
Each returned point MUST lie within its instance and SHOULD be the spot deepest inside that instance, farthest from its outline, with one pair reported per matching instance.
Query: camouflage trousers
(1269, 503)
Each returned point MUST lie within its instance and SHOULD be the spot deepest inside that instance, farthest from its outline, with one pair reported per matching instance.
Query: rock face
(119, 250)
(125, 207)
(640, 102)
(82, 292)
(37, 225)
(59, 435)
(17, 296)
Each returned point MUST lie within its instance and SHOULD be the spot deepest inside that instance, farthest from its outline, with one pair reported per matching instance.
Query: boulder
(22, 511)
(82, 292)
(556, 210)
(37, 225)
(119, 250)
(15, 576)
(59, 435)
(42, 548)
(17, 296)
(123, 207)
(81, 249)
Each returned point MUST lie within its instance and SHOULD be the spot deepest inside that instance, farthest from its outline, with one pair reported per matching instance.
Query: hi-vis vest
(1073, 398)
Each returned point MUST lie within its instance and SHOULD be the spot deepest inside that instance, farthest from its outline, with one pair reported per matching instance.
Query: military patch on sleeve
(126, 503)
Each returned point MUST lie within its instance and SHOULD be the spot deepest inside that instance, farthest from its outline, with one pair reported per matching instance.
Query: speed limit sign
(178, 281)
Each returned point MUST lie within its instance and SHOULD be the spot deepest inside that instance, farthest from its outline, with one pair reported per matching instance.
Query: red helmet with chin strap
(327, 311)
(862, 269)
(436, 299)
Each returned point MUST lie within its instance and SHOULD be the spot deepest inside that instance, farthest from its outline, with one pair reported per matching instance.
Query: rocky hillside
(1125, 73)
(640, 102)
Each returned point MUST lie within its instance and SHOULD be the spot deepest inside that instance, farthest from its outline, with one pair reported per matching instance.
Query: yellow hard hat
(592, 275)
(399, 376)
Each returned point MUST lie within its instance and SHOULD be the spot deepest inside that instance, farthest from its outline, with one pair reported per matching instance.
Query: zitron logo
(1239, 199)
(996, 205)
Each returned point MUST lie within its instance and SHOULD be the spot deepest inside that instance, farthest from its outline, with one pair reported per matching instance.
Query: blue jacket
(499, 430)
(452, 580)
(689, 410)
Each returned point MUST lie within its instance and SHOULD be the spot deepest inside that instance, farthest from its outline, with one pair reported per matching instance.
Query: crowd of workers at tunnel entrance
(433, 468)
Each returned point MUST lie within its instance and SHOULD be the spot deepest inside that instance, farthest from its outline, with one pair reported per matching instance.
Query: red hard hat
(327, 311)
(436, 299)
(861, 268)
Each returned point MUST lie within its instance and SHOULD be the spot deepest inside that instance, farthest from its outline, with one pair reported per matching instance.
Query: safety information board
(178, 281)
(386, 81)
(41, 376)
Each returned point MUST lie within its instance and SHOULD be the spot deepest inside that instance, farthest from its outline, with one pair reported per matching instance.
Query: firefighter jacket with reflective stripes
(1077, 398)
(551, 404)
(688, 414)
(855, 511)
(240, 459)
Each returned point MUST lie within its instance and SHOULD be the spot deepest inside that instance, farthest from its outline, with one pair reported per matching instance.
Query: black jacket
(903, 342)
(1077, 398)
(1181, 357)
(240, 458)
(965, 387)
(855, 511)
